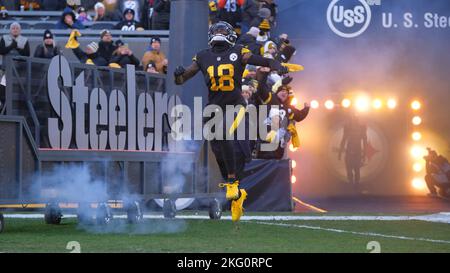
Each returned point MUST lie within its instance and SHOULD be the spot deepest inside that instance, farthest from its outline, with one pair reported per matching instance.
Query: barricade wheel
(134, 213)
(104, 215)
(52, 214)
(215, 209)
(169, 209)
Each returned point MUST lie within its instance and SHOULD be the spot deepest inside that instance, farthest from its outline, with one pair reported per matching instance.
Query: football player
(222, 65)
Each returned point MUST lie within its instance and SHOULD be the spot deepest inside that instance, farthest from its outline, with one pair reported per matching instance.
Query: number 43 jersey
(223, 75)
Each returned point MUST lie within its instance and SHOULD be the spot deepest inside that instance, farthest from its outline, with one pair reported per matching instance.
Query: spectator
(156, 56)
(101, 14)
(73, 4)
(135, 5)
(250, 15)
(106, 45)
(90, 55)
(147, 14)
(128, 23)
(68, 20)
(249, 40)
(14, 43)
(272, 8)
(282, 117)
(230, 12)
(48, 48)
(123, 56)
(151, 68)
(82, 15)
(247, 94)
(213, 12)
(161, 16)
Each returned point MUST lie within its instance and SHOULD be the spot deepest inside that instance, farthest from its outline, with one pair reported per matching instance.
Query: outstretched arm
(182, 75)
(249, 58)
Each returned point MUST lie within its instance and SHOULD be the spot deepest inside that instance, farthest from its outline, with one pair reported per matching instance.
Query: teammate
(222, 65)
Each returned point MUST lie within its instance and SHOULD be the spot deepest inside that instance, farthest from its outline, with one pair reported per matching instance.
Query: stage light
(362, 104)
(346, 103)
(416, 105)
(377, 104)
(293, 179)
(417, 152)
(392, 103)
(329, 104)
(294, 102)
(314, 104)
(418, 184)
(416, 136)
(417, 120)
(417, 167)
(293, 164)
(292, 148)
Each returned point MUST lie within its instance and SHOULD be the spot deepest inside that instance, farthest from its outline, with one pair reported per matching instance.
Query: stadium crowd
(252, 20)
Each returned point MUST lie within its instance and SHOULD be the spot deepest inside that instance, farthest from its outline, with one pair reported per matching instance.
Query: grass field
(181, 235)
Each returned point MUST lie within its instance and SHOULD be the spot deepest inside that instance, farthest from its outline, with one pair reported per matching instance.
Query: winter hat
(119, 43)
(48, 34)
(99, 5)
(264, 13)
(155, 39)
(254, 31)
(93, 46)
(128, 10)
(104, 32)
(15, 24)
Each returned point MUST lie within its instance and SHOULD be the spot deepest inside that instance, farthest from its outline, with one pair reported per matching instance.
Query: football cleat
(237, 207)
(232, 190)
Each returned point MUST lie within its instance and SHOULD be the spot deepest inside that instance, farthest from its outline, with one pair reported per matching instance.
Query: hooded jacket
(62, 25)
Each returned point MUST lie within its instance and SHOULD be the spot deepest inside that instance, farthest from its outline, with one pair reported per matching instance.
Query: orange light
(416, 105)
(418, 184)
(329, 104)
(314, 104)
(294, 164)
(294, 102)
(391, 103)
(377, 104)
(417, 120)
(346, 103)
(416, 136)
(417, 167)
(293, 179)
(292, 148)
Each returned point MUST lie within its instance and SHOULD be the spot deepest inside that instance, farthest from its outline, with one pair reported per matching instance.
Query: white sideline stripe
(356, 233)
(443, 217)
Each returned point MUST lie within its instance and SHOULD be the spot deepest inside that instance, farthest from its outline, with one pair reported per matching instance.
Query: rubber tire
(52, 214)
(85, 214)
(103, 214)
(215, 209)
(134, 213)
(169, 209)
(2, 223)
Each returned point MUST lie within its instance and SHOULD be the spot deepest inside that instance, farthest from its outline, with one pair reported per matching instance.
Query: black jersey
(223, 75)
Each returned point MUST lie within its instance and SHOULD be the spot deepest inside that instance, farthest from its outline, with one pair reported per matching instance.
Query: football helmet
(221, 32)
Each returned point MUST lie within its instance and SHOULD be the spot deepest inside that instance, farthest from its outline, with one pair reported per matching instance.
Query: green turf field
(32, 235)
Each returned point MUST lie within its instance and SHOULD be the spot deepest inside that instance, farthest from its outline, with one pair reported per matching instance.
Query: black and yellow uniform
(222, 66)
(223, 75)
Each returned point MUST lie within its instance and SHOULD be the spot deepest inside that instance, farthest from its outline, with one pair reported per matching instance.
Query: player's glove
(283, 70)
(179, 71)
